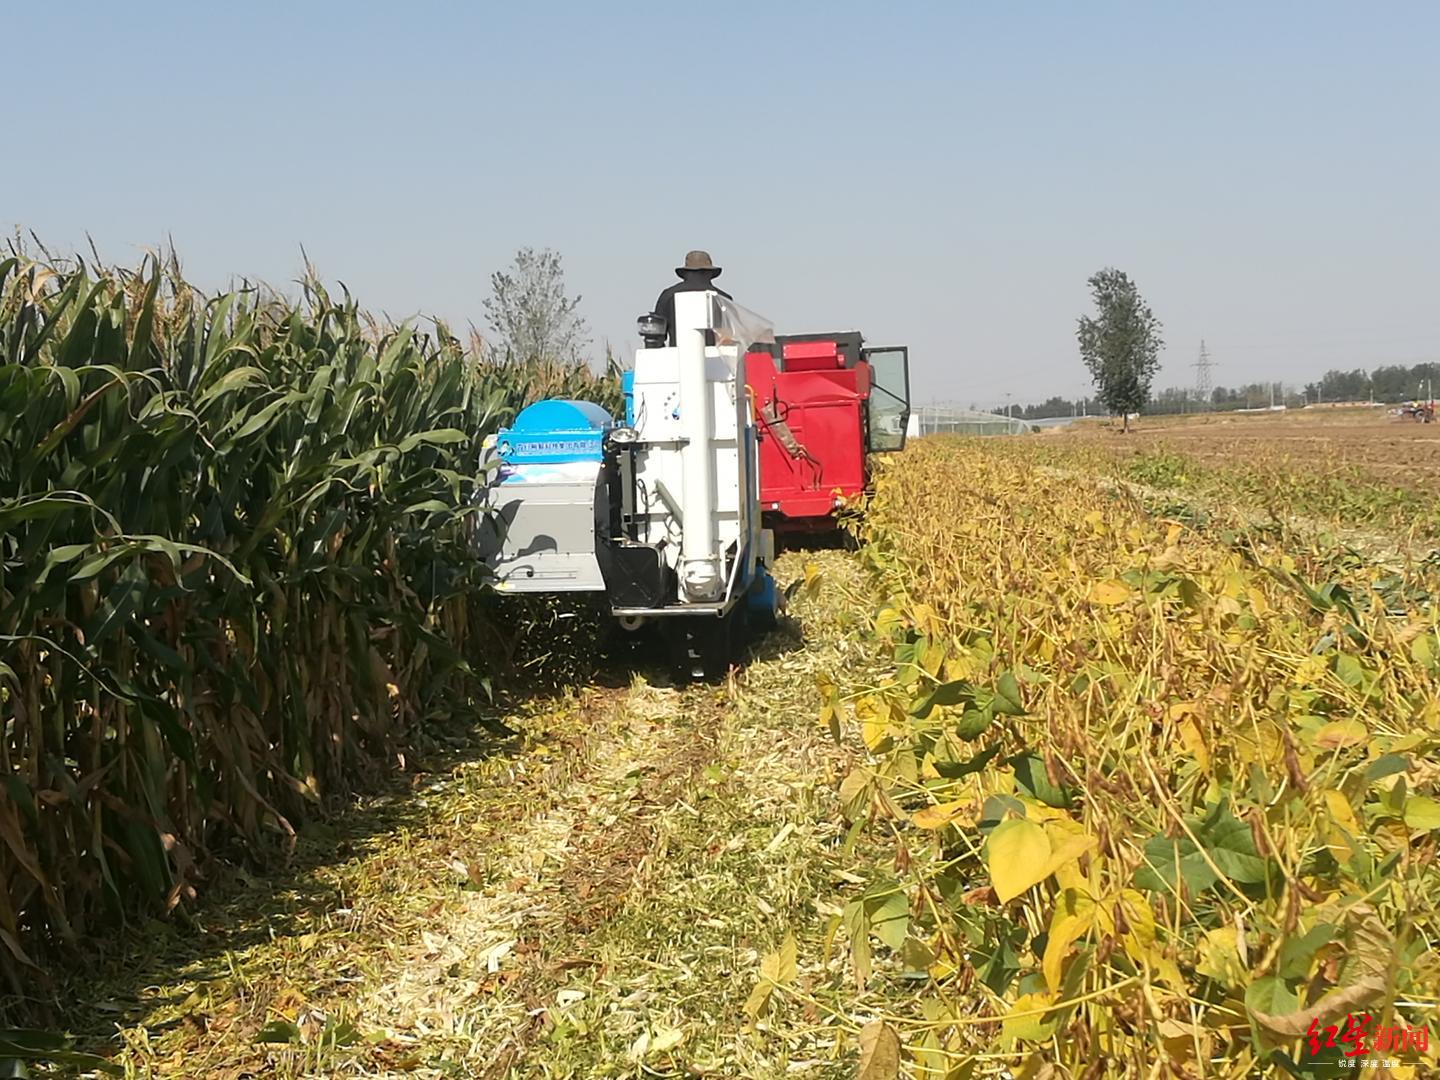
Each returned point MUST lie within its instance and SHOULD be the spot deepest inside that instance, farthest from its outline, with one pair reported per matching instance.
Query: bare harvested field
(1372, 443)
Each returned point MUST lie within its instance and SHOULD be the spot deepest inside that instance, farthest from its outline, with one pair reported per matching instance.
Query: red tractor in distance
(823, 402)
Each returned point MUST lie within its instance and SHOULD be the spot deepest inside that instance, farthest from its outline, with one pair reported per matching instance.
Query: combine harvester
(658, 514)
(824, 403)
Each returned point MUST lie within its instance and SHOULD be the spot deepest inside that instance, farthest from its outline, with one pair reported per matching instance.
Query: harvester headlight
(652, 329)
(623, 435)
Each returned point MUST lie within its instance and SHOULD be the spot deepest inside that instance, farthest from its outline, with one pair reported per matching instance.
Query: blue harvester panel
(627, 387)
(551, 432)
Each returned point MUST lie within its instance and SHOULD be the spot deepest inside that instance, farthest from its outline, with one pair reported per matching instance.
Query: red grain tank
(823, 403)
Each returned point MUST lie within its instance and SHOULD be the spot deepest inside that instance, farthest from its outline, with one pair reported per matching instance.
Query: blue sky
(942, 175)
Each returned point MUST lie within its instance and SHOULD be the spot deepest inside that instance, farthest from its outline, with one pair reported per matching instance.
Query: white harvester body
(661, 512)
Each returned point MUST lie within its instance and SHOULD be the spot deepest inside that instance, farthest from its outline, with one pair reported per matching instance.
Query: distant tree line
(1389, 383)
(1054, 406)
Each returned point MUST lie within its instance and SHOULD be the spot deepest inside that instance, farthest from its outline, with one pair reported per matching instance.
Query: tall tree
(530, 314)
(1121, 344)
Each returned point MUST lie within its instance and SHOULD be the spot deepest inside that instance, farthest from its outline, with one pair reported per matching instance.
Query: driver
(697, 275)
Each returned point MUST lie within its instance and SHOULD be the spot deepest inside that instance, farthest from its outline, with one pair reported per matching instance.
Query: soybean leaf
(1298, 952)
(890, 918)
(1029, 1020)
(1270, 995)
(1232, 846)
(1388, 765)
(1007, 695)
(974, 723)
(1422, 813)
(1169, 862)
(950, 693)
(993, 812)
(953, 770)
(1030, 774)
(1017, 854)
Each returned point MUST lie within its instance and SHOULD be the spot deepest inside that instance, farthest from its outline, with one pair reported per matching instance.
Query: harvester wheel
(763, 603)
(761, 621)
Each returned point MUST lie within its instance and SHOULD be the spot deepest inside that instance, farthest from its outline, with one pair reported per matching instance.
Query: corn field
(233, 572)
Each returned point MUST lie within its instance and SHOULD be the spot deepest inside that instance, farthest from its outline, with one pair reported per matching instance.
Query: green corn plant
(234, 571)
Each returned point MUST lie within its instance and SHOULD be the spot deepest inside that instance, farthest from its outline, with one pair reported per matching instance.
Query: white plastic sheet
(736, 325)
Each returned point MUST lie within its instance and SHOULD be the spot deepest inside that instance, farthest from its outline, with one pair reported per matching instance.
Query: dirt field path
(595, 904)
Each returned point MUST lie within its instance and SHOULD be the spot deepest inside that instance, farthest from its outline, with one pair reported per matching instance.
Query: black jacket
(691, 281)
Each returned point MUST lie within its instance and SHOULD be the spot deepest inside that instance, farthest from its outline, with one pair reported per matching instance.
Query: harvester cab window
(889, 401)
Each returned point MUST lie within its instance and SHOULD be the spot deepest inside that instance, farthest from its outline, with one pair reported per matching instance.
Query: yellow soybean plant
(1159, 803)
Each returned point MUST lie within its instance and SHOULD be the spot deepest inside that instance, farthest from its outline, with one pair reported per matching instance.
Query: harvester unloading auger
(660, 513)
